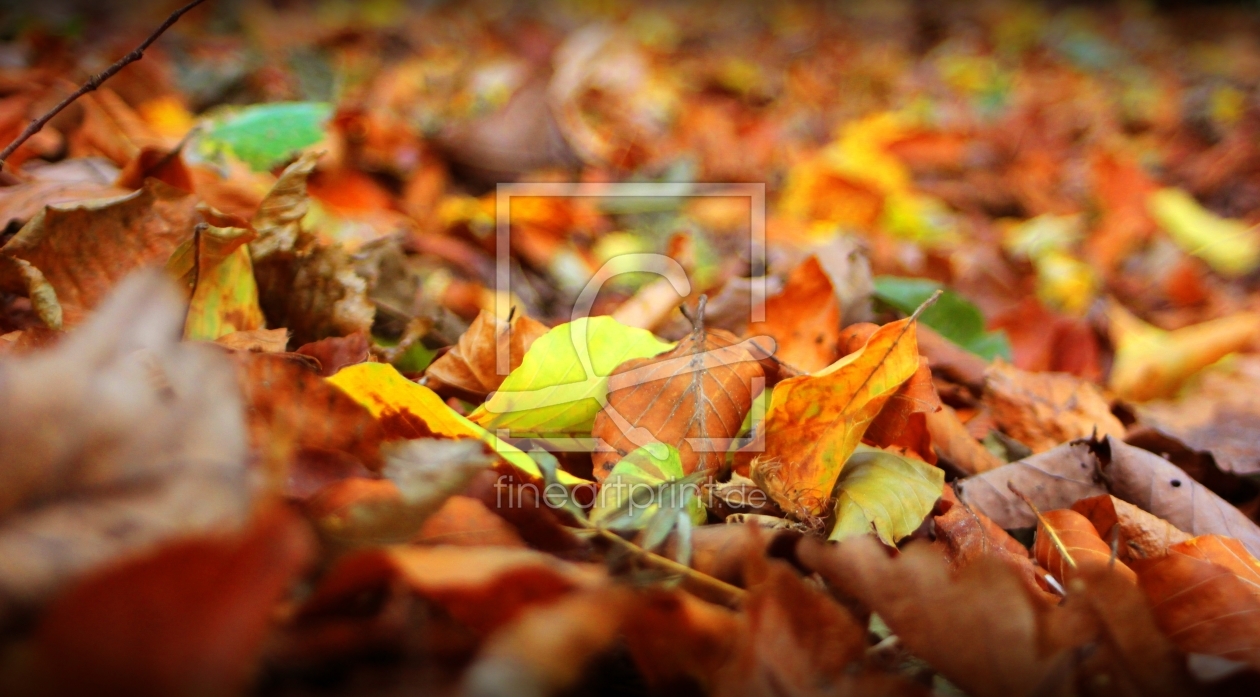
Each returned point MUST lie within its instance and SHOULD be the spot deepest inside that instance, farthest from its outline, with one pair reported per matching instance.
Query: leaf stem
(736, 593)
(1054, 536)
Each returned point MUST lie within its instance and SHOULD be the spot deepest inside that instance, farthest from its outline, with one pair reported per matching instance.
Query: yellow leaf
(1152, 363)
(225, 298)
(1228, 246)
(886, 492)
(385, 392)
(816, 421)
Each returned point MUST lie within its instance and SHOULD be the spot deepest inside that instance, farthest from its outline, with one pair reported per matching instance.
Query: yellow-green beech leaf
(636, 480)
(225, 297)
(1228, 246)
(562, 381)
(884, 492)
(386, 393)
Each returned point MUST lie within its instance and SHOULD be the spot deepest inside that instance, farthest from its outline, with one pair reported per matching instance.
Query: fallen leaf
(953, 442)
(1042, 410)
(309, 287)
(262, 135)
(1160, 487)
(337, 352)
(1151, 363)
(1054, 479)
(816, 421)
(472, 364)
(803, 319)
(1139, 534)
(1067, 545)
(69, 256)
(24, 201)
(562, 381)
(694, 398)
(408, 410)
(467, 522)
(225, 296)
(208, 603)
(885, 492)
(116, 439)
(1226, 552)
(1228, 246)
(1204, 608)
(953, 317)
(636, 491)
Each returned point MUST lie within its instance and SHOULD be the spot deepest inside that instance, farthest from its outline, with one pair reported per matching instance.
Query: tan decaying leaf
(309, 287)
(256, 340)
(78, 252)
(472, 364)
(803, 319)
(816, 421)
(1139, 534)
(1042, 410)
(119, 427)
(22, 202)
(693, 397)
(1054, 479)
(1160, 487)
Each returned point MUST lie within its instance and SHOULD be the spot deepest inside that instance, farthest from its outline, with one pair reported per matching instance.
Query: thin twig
(94, 82)
(735, 592)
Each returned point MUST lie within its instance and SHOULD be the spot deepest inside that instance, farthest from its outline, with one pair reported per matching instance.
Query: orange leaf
(1079, 547)
(804, 319)
(1226, 552)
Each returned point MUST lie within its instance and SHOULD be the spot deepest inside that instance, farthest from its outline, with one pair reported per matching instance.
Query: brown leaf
(466, 522)
(678, 641)
(965, 535)
(290, 408)
(337, 352)
(114, 440)
(902, 423)
(207, 604)
(82, 250)
(1160, 487)
(256, 340)
(471, 365)
(1141, 535)
(1054, 479)
(803, 319)
(1068, 545)
(1042, 410)
(482, 587)
(22, 202)
(693, 397)
(1204, 608)
(985, 632)
(1226, 552)
(953, 442)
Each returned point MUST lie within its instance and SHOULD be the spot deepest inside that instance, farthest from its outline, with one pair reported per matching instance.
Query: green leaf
(1231, 247)
(264, 135)
(884, 491)
(953, 317)
(562, 381)
(647, 490)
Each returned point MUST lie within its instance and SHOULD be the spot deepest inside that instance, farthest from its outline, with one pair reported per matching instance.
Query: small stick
(94, 82)
(734, 592)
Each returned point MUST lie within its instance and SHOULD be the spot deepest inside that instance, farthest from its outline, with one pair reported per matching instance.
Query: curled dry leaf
(803, 319)
(1140, 535)
(1042, 410)
(1068, 545)
(207, 604)
(69, 256)
(816, 421)
(694, 397)
(114, 440)
(472, 364)
(305, 285)
(1203, 607)
(1052, 480)
(224, 296)
(256, 340)
(24, 201)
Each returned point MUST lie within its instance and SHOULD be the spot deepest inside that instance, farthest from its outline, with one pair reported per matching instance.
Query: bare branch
(94, 82)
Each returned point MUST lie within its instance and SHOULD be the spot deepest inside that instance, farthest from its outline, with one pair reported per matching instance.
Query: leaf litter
(972, 412)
